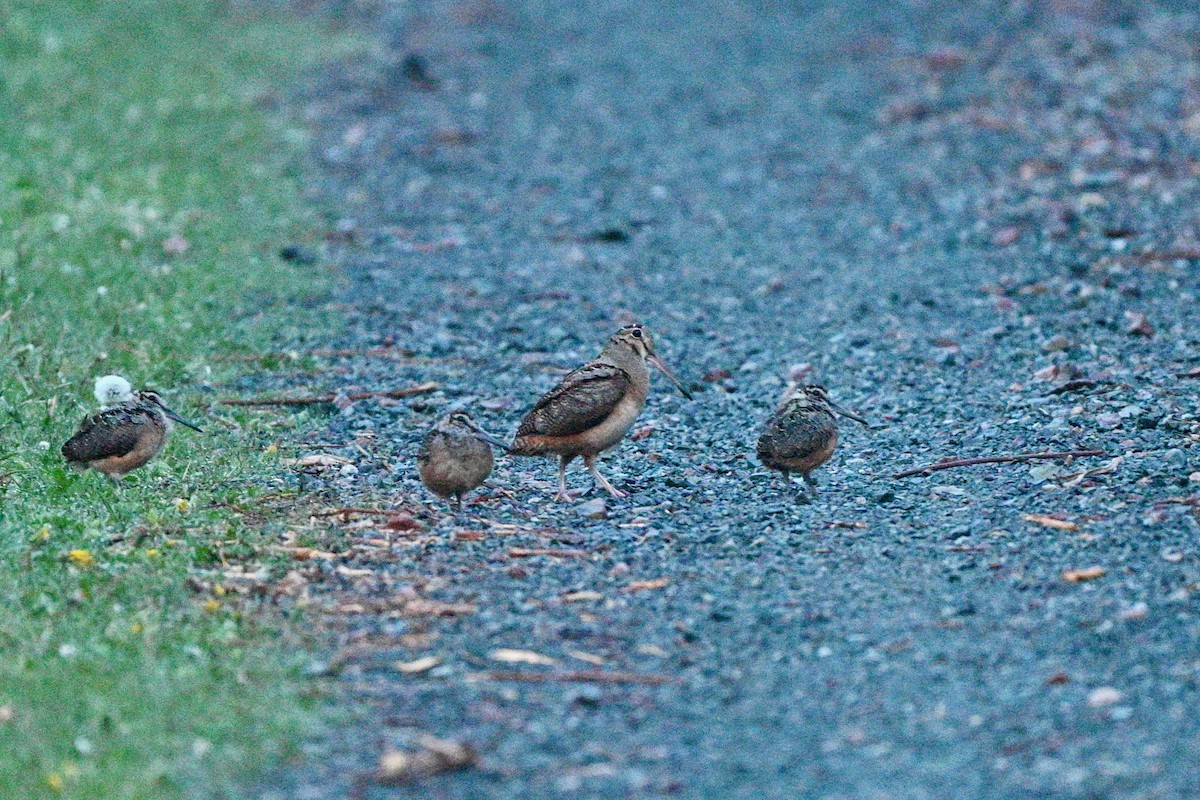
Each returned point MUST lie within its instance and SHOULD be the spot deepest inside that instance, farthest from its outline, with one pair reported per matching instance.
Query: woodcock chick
(802, 433)
(593, 407)
(456, 456)
(127, 433)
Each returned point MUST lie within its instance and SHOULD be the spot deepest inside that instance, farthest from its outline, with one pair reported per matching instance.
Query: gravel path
(977, 228)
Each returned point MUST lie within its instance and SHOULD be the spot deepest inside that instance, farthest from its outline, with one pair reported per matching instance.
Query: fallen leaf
(417, 666)
(434, 757)
(291, 584)
(1048, 373)
(1081, 575)
(1172, 556)
(1078, 478)
(469, 536)
(309, 553)
(590, 658)
(1006, 236)
(948, 57)
(1058, 679)
(593, 509)
(642, 433)
(316, 460)
(242, 573)
(509, 656)
(583, 596)
(403, 522)
(1047, 521)
(353, 572)
(652, 650)
(640, 586)
(1137, 324)
(436, 608)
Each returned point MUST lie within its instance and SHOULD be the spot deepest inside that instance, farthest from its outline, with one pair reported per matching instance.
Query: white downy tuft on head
(113, 389)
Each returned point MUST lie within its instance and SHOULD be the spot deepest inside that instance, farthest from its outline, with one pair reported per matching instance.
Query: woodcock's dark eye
(637, 333)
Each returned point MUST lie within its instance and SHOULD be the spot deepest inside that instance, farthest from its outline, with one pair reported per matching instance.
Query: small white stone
(1104, 696)
(1136, 611)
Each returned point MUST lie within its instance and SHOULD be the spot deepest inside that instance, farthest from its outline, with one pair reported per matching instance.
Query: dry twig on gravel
(970, 462)
(374, 512)
(579, 676)
(408, 391)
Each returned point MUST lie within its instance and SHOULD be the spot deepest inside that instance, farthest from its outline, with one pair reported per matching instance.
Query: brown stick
(528, 552)
(970, 462)
(407, 391)
(378, 512)
(1191, 373)
(1186, 254)
(581, 676)
(324, 352)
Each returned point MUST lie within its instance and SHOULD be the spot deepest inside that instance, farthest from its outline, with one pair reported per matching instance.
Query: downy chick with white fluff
(127, 433)
(456, 456)
(802, 433)
(594, 406)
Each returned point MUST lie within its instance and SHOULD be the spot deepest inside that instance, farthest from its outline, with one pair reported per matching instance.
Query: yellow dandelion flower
(151, 552)
(182, 504)
(137, 628)
(55, 781)
(43, 533)
(83, 558)
(212, 605)
(219, 590)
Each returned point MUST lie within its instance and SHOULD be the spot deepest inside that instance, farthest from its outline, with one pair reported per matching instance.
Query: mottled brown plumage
(128, 435)
(593, 407)
(802, 433)
(455, 457)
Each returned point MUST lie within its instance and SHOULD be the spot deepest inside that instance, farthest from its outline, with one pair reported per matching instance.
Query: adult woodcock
(127, 433)
(456, 456)
(802, 433)
(593, 407)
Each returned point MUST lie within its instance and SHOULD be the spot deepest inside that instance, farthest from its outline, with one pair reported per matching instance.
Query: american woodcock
(130, 429)
(802, 433)
(456, 456)
(593, 407)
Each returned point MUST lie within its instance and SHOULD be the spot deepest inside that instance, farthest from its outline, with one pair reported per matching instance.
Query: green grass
(127, 123)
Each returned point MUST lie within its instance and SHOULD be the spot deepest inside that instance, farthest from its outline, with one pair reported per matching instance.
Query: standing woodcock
(130, 429)
(456, 456)
(593, 407)
(802, 433)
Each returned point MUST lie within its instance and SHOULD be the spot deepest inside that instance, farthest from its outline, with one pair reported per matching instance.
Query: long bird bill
(661, 367)
(176, 417)
(484, 436)
(846, 413)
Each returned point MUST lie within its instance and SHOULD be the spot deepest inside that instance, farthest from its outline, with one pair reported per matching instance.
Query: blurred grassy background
(144, 192)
